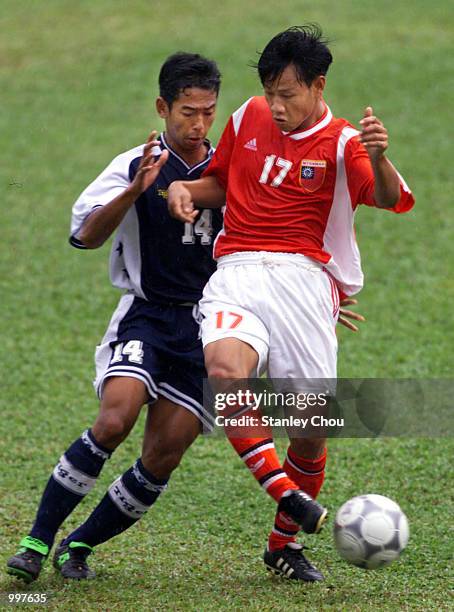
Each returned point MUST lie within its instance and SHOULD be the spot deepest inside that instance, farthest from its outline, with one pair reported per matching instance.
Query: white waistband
(268, 258)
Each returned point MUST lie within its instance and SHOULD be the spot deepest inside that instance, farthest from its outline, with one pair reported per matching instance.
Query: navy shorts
(159, 345)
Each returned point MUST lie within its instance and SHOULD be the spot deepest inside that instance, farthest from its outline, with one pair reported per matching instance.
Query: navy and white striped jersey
(153, 256)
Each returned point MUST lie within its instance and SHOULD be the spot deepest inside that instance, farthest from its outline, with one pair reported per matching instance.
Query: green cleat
(26, 564)
(71, 560)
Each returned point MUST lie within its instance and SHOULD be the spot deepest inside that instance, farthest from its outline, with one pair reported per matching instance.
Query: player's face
(189, 119)
(293, 104)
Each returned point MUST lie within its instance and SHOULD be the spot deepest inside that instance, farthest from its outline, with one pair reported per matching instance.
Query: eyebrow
(189, 107)
(281, 90)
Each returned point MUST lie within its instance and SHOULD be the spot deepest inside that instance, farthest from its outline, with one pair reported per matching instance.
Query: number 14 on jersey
(203, 227)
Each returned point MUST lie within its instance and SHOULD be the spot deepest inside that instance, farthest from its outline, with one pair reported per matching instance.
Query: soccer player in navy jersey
(151, 353)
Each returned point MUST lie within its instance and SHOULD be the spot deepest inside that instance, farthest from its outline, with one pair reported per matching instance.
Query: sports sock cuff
(254, 449)
(157, 483)
(244, 446)
(311, 466)
(97, 449)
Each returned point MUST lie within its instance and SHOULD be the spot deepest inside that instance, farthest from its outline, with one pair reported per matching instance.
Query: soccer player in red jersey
(292, 176)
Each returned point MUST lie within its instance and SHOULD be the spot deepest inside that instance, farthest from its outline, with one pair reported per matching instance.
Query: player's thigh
(122, 400)
(303, 343)
(232, 331)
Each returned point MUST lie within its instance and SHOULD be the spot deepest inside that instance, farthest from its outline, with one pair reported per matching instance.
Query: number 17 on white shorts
(283, 305)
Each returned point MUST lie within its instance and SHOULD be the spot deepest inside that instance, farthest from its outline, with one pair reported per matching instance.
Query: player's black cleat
(26, 564)
(71, 560)
(290, 562)
(304, 510)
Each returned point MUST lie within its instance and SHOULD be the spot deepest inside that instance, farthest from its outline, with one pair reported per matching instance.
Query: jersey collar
(321, 123)
(181, 160)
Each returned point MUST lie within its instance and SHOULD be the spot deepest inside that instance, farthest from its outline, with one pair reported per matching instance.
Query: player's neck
(319, 110)
(191, 157)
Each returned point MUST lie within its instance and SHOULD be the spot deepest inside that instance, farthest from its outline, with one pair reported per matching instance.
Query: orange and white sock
(259, 455)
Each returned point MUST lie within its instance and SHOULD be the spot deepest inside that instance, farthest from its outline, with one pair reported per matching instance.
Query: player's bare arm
(345, 314)
(374, 137)
(100, 225)
(184, 196)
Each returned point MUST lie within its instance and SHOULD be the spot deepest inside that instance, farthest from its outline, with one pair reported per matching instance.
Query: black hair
(182, 70)
(302, 46)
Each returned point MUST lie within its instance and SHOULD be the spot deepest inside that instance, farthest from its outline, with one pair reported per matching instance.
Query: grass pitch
(78, 81)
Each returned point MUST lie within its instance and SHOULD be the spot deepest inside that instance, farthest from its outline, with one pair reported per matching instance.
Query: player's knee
(111, 429)
(226, 371)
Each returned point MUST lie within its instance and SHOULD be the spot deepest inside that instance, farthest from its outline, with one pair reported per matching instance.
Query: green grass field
(78, 82)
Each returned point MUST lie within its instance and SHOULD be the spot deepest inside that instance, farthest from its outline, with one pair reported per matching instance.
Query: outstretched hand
(149, 166)
(374, 135)
(345, 315)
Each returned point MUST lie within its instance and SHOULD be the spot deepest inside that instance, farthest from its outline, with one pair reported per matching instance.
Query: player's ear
(319, 84)
(162, 107)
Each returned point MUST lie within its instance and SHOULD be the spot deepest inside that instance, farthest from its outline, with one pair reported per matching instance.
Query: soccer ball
(370, 531)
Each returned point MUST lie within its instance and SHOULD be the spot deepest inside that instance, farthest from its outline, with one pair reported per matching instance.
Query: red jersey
(295, 192)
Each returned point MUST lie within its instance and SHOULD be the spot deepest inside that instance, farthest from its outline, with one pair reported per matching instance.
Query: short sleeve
(361, 182)
(107, 186)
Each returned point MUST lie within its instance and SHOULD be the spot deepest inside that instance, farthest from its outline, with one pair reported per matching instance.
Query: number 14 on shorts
(227, 320)
(132, 349)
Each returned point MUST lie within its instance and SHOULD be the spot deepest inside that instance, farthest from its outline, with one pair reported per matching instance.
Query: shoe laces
(303, 497)
(296, 552)
(298, 497)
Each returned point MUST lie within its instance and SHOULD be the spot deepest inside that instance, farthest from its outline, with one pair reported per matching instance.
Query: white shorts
(284, 305)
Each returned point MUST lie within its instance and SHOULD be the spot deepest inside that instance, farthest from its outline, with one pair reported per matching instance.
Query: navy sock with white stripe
(126, 501)
(73, 477)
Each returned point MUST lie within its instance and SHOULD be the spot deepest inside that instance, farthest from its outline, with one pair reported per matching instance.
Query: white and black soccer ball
(370, 531)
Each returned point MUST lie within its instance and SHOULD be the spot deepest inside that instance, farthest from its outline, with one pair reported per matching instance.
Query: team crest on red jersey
(312, 174)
